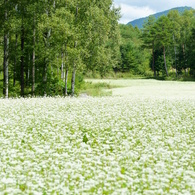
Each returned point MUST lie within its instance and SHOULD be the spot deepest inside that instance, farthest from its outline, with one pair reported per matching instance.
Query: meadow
(139, 140)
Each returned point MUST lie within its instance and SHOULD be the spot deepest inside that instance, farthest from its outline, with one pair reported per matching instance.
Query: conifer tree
(163, 36)
(149, 38)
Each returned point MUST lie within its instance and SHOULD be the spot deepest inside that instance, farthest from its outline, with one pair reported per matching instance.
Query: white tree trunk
(33, 61)
(62, 66)
(66, 81)
(73, 82)
(165, 61)
(6, 58)
(6, 64)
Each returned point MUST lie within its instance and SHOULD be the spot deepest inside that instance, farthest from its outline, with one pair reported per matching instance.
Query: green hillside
(139, 22)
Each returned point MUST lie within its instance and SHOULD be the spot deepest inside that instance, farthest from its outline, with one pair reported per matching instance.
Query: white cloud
(133, 9)
(130, 13)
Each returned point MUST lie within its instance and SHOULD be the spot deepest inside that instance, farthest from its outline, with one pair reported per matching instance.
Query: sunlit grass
(121, 144)
(96, 89)
(149, 88)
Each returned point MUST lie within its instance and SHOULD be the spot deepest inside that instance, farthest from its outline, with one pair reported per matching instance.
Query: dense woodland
(165, 45)
(47, 46)
(45, 41)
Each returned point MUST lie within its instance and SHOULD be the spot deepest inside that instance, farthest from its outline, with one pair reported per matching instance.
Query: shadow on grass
(96, 89)
(179, 78)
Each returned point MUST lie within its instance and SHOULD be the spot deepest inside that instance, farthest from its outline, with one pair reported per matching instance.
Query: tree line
(171, 39)
(47, 45)
(134, 58)
(165, 45)
(45, 42)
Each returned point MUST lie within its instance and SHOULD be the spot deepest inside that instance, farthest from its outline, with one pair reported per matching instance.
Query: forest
(165, 45)
(47, 47)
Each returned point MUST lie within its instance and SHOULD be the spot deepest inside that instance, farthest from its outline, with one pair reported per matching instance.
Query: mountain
(139, 22)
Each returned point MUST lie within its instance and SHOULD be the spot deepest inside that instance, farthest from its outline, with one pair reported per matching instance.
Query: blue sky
(133, 9)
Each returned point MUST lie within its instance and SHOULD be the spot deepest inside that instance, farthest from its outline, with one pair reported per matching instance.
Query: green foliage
(45, 39)
(85, 139)
(133, 57)
(49, 37)
(96, 89)
(171, 40)
(56, 86)
(1, 84)
(140, 22)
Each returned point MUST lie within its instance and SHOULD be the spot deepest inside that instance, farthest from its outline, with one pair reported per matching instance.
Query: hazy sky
(133, 9)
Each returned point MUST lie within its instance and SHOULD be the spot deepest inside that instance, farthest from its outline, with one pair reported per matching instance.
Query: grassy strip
(96, 89)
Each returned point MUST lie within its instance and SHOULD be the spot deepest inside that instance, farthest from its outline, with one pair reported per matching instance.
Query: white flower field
(134, 142)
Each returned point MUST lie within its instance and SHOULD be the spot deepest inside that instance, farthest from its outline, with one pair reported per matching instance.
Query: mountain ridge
(140, 21)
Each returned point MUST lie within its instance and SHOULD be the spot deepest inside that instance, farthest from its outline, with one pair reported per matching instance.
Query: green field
(139, 140)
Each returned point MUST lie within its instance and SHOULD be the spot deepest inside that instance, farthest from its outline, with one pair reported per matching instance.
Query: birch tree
(6, 50)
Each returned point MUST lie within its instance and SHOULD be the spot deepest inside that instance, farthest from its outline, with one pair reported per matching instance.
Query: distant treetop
(139, 22)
